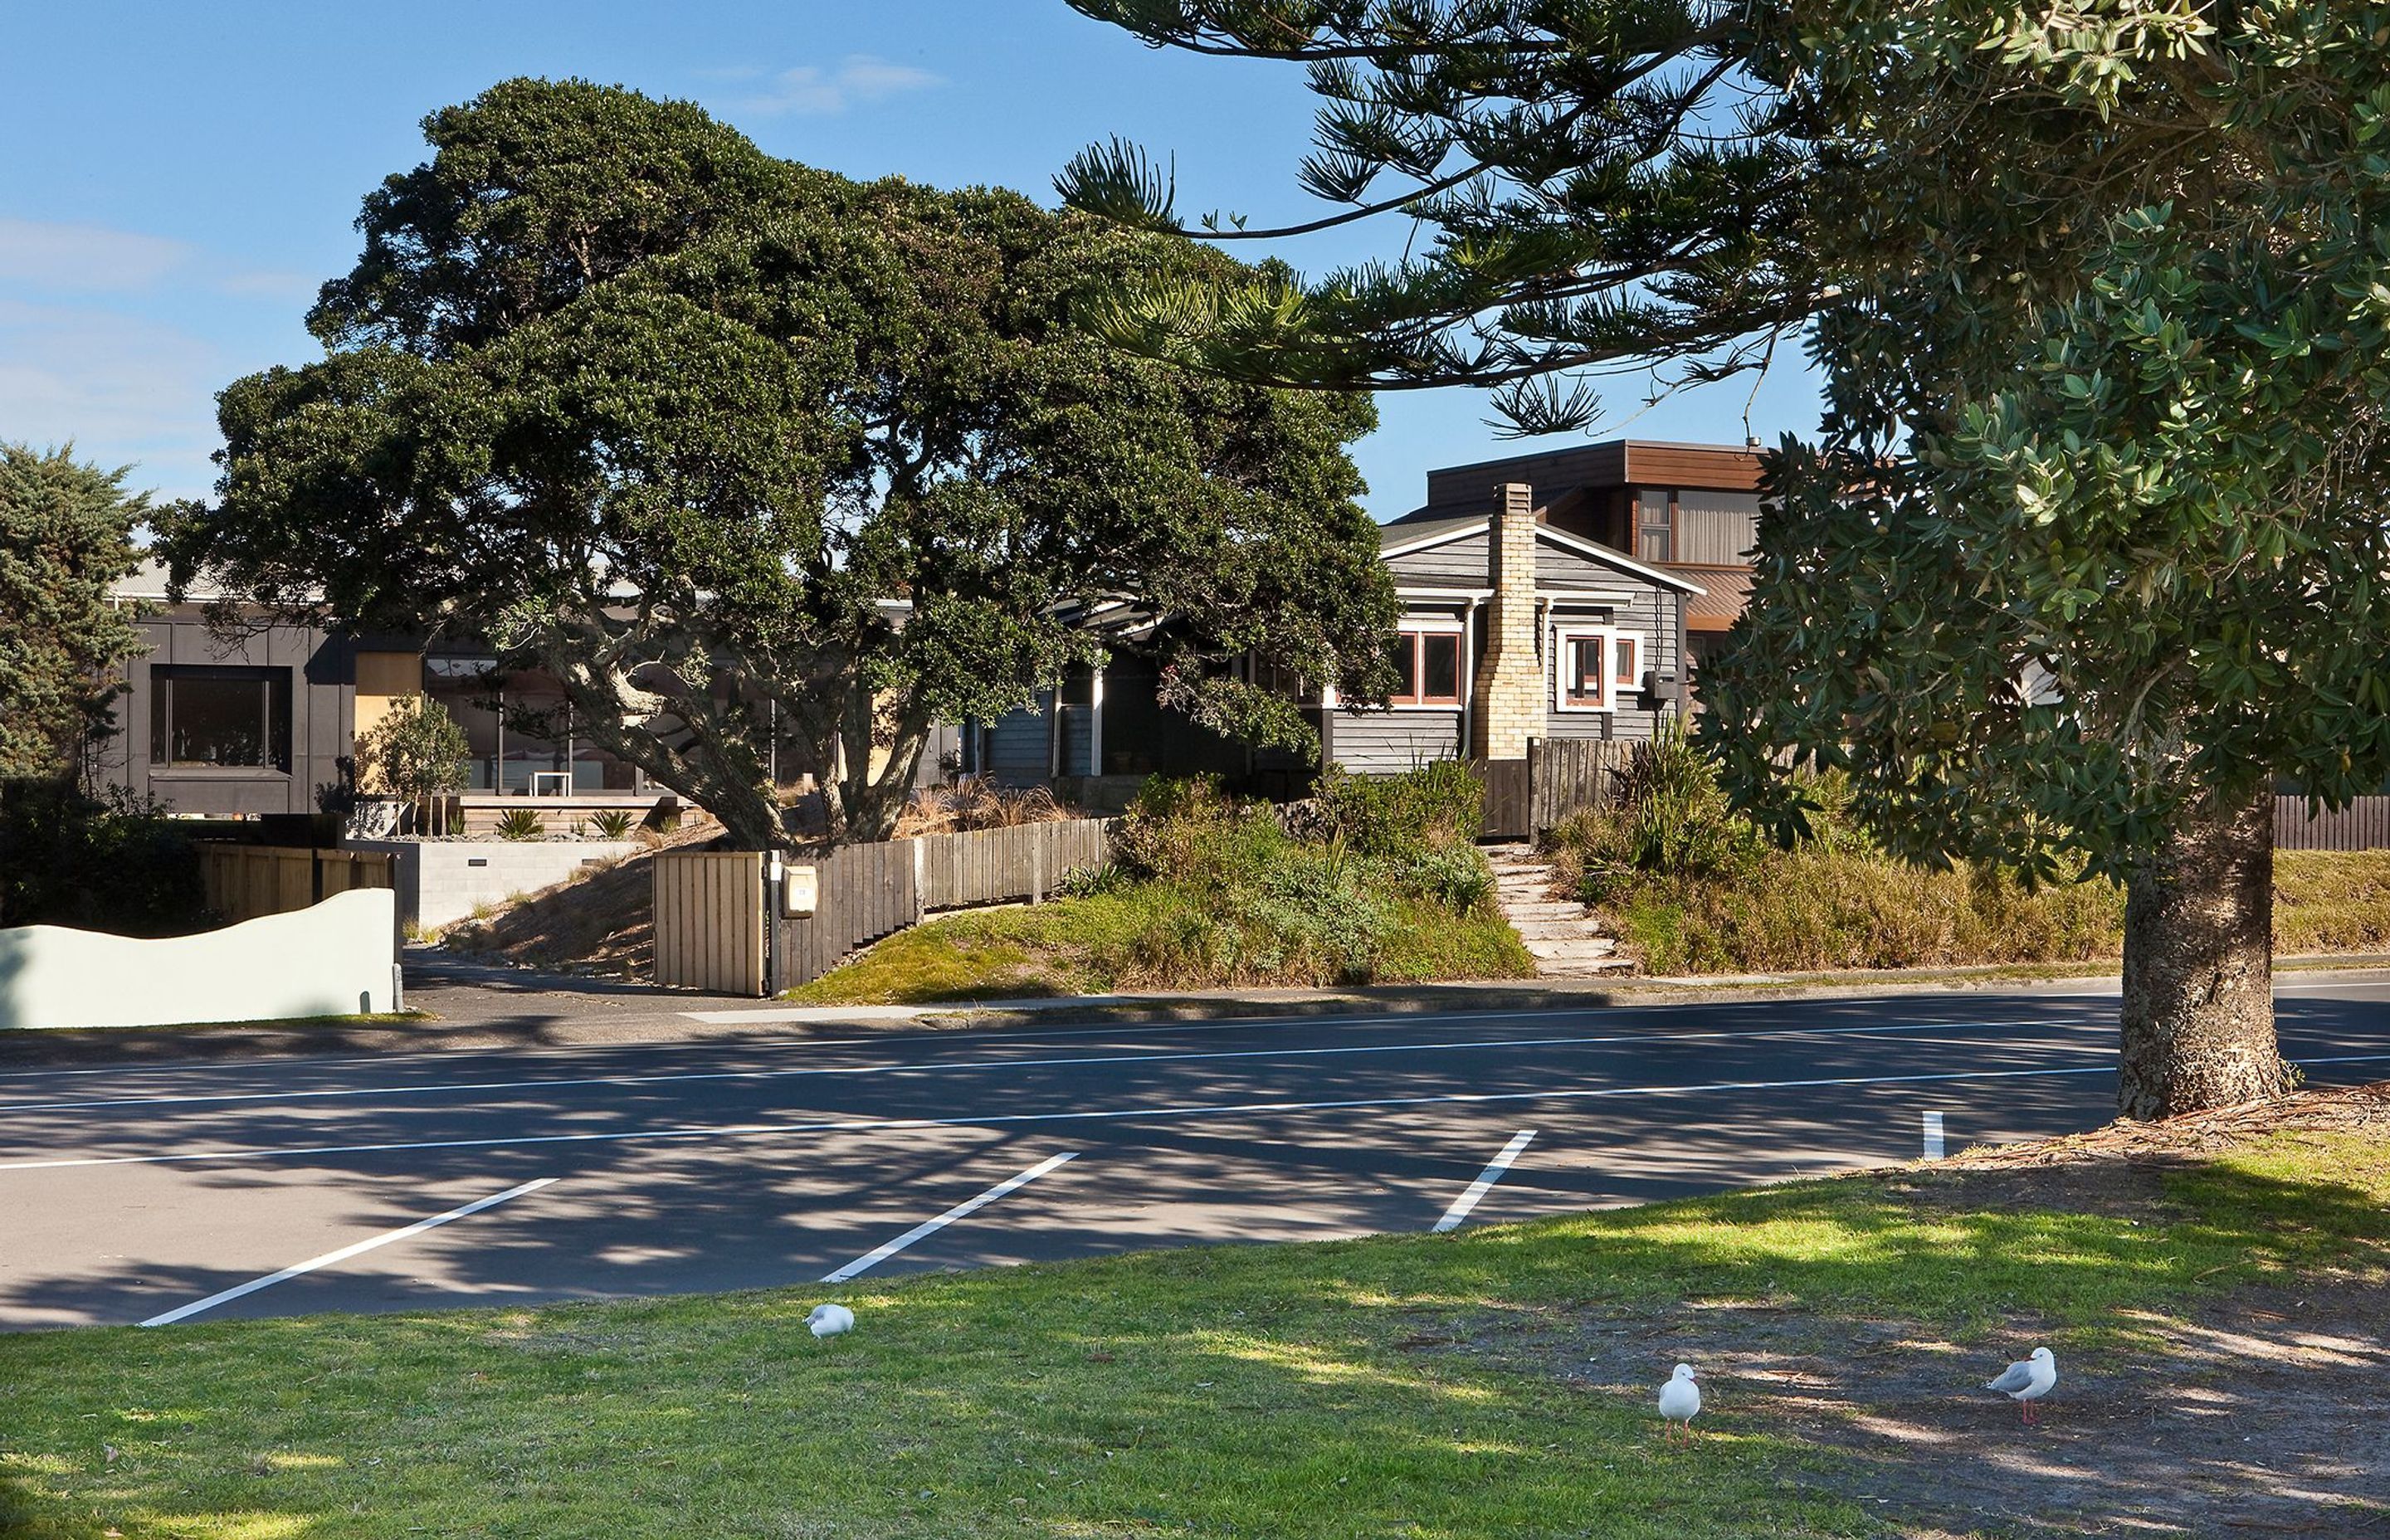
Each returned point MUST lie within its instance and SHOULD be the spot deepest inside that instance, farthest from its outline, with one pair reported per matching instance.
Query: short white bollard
(1932, 1135)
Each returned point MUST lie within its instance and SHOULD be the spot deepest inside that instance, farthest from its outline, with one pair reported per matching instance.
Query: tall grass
(1694, 887)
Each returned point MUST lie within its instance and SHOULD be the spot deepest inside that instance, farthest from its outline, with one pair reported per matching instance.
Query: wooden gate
(710, 921)
(1510, 797)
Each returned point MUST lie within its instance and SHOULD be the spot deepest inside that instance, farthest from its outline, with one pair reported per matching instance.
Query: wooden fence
(1510, 797)
(710, 921)
(861, 893)
(954, 871)
(2364, 824)
(251, 881)
(1572, 774)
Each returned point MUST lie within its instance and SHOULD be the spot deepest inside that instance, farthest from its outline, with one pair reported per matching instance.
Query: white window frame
(1433, 625)
(1610, 639)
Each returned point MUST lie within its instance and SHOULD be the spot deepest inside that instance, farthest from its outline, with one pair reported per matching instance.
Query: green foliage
(1693, 887)
(520, 823)
(1817, 909)
(1202, 891)
(415, 751)
(2093, 541)
(675, 419)
(611, 824)
(1104, 877)
(97, 863)
(1442, 799)
(66, 536)
(1598, 181)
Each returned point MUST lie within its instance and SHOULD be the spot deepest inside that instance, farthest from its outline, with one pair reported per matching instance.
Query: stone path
(1559, 933)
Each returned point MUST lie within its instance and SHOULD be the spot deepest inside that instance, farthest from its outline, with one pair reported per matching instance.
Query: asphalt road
(779, 1156)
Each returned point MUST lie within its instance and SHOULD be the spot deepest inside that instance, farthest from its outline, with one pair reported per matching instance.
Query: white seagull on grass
(1680, 1401)
(830, 1321)
(2027, 1382)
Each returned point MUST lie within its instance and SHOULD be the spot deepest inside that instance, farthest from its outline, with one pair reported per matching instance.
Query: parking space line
(1014, 1183)
(270, 1279)
(1485, 1182)
(1118, 1115)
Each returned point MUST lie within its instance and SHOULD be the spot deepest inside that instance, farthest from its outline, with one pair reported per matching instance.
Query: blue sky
(180, 177)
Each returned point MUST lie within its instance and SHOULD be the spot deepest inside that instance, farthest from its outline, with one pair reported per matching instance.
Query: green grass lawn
(1490, 1383)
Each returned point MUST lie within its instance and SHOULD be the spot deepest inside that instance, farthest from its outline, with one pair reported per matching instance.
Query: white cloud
(84, 257)
(859, 78)
(121, 388)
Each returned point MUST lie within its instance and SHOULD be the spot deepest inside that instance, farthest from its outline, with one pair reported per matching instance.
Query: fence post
(1036, 870)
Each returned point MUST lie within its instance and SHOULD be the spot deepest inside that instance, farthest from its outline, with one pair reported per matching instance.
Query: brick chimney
(1506, 703)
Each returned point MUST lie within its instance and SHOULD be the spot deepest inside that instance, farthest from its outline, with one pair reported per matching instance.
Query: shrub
(613, 824)
(520, 823)
(1453, 877)
(978, 803)
(1383, 814)
(98, 862)
(1104, 877)
(1189, 830)
(415, 751)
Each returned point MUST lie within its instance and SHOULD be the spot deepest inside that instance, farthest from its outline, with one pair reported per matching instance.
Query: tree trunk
(2198, 968)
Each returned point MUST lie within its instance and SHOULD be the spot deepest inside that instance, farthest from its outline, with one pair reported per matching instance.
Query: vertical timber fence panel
(242, 882)
(1575, 774)
(864, 893)
(2364, 824)
(710, 921)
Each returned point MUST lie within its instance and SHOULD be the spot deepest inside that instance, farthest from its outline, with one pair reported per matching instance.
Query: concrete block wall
(442, 882)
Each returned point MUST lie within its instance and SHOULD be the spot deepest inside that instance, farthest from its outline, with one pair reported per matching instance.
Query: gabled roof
(1399, 539)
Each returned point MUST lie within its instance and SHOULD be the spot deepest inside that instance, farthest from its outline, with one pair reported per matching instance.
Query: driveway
(607, 1162)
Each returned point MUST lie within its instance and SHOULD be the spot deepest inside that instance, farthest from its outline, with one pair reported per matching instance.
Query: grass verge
(1493, 1383)
(1134, 938)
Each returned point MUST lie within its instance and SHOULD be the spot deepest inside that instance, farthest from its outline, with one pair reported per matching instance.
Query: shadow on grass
(1392, 1385)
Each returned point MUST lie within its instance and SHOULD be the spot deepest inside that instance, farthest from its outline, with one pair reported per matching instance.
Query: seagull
(830, 1321)
(2027, 1382)
(1680, 1400)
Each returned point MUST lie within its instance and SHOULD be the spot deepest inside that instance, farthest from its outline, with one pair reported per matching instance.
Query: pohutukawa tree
(2089, 553)
(705, 433)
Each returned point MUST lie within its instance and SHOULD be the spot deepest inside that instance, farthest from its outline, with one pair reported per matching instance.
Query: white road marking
(1485, 1182)
(1124, 1114)
(1932, 1135)
(966, 1065)
(269, 1280)
(966, 1035)
(879, 1254)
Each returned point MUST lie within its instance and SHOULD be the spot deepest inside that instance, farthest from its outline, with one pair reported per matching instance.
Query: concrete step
(1533, 931)
(1583, 967)
(1570, 951)
(1524, 914)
